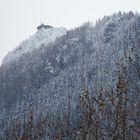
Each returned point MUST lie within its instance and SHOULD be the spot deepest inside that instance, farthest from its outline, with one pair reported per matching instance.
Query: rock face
(49, 69)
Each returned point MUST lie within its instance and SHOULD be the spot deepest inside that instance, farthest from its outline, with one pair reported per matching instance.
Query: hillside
(45, 74)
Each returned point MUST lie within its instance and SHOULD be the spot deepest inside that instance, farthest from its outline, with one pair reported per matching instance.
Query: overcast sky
(19, 18)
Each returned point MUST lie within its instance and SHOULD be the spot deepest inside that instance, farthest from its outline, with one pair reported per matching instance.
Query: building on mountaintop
(44, 26)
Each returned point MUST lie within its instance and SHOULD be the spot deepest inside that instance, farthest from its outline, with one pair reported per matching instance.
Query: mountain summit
(46, 34)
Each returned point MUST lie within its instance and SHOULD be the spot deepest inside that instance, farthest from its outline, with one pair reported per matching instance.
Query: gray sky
(19, 18)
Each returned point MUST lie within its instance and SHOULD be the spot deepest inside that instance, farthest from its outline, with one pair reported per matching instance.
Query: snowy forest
(78, 84)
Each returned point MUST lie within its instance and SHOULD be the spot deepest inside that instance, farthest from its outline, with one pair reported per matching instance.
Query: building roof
(44, 26)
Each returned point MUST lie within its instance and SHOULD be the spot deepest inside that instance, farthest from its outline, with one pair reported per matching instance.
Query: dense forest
(80, 84)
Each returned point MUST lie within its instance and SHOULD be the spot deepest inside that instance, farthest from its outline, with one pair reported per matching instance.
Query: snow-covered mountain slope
(41, 37)
(49, 79)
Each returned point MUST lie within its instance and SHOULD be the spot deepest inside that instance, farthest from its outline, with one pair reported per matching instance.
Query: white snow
(65, 46)
(58, 58)
(42, 36)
